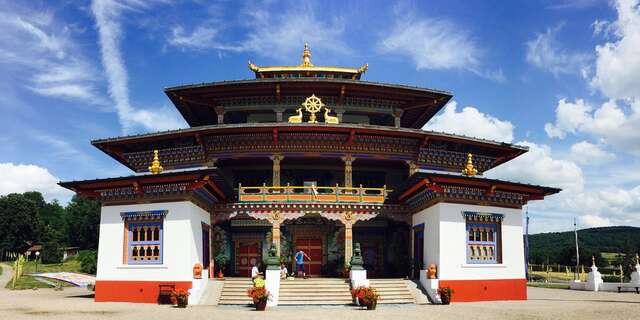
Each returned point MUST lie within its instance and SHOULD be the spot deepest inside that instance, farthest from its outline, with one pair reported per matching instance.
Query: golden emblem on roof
(155, 167)
(313, 105)
(469, 170)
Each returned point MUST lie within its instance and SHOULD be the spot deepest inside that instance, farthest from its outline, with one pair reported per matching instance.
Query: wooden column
(397, 117)
(348, 170)
(276, 158)
(346, 219)
(220, 112)
(276, 218)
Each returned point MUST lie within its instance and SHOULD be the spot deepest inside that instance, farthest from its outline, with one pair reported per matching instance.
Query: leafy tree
(83, 220)
(88, 261)
(51, 252)
(629, 261)
(19, 221)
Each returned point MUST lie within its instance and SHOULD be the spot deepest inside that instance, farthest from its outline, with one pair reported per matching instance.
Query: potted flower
(445, 294)
(366, 296)
(221, 261)
(180, 297)
(260, 295)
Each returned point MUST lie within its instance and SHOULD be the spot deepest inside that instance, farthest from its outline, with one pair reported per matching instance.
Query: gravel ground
(76, 303)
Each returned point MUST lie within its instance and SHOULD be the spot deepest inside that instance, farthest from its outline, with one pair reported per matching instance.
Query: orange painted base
(486, 290)
(134, 291)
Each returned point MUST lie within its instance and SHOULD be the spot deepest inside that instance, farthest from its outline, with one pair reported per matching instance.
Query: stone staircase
(392, 291)
(234, 291)
(315, 291)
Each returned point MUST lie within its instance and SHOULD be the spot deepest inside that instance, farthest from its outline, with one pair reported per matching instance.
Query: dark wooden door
(418, 252)
(313, 248)
(247, 254)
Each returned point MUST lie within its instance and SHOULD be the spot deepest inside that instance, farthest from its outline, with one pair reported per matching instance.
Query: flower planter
(372, 305)
(261, 305)
(182, 302)
(445, 299)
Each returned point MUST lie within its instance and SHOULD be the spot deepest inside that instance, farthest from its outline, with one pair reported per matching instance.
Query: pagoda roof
(306, 68)
(197, 103)
(425, 179)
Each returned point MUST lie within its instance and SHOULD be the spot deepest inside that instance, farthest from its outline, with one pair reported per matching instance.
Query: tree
(19, 221)
(83, 220)
(51, 252)
(629, 261)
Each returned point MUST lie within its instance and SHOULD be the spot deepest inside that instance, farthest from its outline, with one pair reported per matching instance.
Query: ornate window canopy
(482, 216)
(144, 215)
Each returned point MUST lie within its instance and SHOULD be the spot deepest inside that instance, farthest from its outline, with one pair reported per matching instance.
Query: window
(483, 237)
(143, 237)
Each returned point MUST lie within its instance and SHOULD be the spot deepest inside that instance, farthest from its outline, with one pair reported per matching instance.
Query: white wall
(182, 243)
(445, 242)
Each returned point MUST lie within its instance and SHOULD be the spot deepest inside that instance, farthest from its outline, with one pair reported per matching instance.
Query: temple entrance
(313, 248)
(418, 250)
(247, 253)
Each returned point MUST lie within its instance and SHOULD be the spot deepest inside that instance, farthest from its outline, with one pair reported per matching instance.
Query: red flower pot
(261, 305)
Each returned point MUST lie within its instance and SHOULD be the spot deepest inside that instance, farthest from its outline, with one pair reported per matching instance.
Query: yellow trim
(312, 194)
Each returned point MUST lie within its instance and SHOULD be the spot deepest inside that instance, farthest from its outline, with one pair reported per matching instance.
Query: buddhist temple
(310, 158)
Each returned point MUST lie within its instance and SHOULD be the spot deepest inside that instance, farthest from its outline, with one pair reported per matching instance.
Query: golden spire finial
(637, 259)
(593, 261)
(469, 170)
(306, 56)
(155, 167)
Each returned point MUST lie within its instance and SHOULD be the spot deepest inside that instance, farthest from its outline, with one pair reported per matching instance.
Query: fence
(563, 273)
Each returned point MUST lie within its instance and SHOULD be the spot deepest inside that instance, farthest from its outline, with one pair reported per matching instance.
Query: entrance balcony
(312, 193)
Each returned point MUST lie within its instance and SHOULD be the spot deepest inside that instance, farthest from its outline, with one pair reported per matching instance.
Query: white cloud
(546, 53)
(471, 122)
(268, 32)
(569, 117)
(587, 153)
(537, 166)
(39, 52)
(19, 178)
(108, 15)
(618, 62)
(434, 44)
(615, 123)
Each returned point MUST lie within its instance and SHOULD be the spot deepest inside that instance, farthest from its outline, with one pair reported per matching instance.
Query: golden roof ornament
(306, 56)
(155, 167)
(307, 69)
(469, 170)
(313, 105)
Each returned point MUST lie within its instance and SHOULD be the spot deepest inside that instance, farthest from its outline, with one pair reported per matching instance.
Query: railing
(312, 194)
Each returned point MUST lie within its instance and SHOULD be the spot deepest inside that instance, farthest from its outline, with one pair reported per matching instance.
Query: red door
(313, 248)
(247, 254)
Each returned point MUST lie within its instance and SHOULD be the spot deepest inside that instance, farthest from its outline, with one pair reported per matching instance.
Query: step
(308, 303)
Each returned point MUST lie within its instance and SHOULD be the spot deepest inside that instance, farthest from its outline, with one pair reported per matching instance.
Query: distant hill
(559, 247)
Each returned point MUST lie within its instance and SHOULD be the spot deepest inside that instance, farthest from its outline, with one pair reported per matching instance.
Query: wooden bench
(628, 287)
(164, 297)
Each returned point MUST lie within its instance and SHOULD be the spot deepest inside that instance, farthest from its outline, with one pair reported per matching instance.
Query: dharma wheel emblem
(313, 105)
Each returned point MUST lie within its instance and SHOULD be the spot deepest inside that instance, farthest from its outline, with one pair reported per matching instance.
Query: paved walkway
(77, 303)
(7, 273)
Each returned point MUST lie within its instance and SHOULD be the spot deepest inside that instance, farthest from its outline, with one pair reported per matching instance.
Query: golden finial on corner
(306, 56)
(155, 167)
(593, 261)
(637, 259)
(469, 170)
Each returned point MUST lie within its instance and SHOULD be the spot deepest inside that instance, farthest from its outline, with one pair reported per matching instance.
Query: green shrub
(88, 261)
(51, 252)
(610, 278)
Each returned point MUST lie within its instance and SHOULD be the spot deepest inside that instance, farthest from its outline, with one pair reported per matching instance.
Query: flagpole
(575, 231)
(526, 245)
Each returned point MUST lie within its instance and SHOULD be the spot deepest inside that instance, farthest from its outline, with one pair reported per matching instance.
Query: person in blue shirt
(300, 255)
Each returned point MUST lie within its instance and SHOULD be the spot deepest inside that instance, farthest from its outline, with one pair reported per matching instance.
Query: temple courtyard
(76, 303)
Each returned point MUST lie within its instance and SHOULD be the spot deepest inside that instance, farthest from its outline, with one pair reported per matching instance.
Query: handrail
(312, 193)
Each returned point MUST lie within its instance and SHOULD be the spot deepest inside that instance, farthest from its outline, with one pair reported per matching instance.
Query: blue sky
(558, 76)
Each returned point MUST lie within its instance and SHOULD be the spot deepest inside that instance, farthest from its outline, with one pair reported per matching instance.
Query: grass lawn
(559, 276)
(27, 282)
(548, 285)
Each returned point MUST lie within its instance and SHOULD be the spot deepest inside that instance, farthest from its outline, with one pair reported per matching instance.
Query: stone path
(77, 303)
(7, 273)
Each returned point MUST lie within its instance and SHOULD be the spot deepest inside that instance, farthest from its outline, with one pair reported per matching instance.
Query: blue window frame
(483, 238)
(144, 244)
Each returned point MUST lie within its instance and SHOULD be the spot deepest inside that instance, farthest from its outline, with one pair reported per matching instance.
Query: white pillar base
(430, 286)
(358, 278)
(272, 284)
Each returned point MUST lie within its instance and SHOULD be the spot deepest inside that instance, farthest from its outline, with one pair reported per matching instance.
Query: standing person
(300, 255)
(255, 272)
